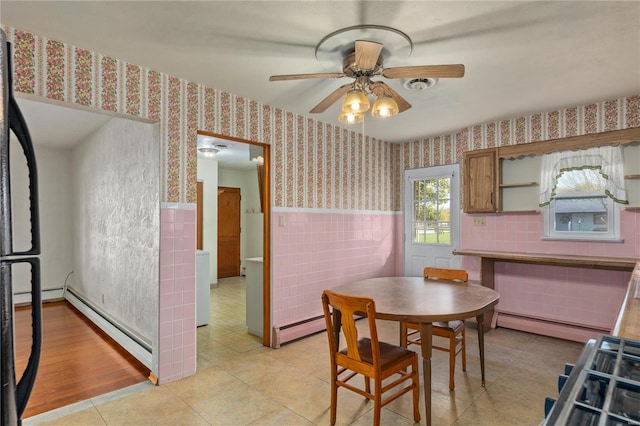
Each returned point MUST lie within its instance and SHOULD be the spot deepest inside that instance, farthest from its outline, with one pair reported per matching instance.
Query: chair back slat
(350, 308)
(446, 274)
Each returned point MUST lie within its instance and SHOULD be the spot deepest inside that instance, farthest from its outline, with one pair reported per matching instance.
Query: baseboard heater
(287, 333)
(548, 327)
(136, 346)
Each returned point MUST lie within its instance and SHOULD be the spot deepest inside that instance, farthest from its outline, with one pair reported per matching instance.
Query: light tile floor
(240, 382)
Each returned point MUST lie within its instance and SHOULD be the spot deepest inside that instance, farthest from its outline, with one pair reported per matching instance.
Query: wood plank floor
(79, 361)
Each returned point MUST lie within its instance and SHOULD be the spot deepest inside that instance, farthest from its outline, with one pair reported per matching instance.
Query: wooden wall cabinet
(505, 179)
(480, 181)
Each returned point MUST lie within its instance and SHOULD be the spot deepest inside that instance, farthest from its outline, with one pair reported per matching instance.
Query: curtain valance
(607, 159)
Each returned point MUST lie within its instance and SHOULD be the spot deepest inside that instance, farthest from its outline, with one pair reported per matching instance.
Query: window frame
(608, 160)
(613, 220)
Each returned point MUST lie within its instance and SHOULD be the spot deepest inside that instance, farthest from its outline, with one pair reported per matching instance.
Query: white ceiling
(520, 57)
(56, 126)
(232, 154)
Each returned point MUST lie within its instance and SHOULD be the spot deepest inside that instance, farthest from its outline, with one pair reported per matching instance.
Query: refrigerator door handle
(26, 382)
(19, 127)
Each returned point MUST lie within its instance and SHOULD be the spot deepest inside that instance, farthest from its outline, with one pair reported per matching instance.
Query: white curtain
(608, 159)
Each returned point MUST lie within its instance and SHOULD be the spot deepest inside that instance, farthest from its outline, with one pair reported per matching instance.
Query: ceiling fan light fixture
(351, 117)
(385, 106)
(355, 101)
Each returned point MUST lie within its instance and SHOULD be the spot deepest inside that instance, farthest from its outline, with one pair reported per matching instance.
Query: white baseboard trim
(47, 295)
(141, 353)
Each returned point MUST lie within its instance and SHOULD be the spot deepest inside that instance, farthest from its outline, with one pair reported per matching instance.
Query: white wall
(56, 218)
(208, 174)
(117, 223)
(253, 231)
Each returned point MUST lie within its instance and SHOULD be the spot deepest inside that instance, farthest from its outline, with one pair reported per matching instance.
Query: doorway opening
(234, 171)
(87, 161)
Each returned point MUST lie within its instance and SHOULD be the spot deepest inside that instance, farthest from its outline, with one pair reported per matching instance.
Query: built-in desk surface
(577, 261)
(628, 321)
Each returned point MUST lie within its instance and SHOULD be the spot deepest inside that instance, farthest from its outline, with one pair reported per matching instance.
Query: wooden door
(228, 232)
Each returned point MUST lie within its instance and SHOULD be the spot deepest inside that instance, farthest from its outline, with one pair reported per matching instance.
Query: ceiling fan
(362, 64)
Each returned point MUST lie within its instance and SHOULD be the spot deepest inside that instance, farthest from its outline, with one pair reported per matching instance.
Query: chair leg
(416, 391)
(367, 384)
(377, 401)
(334, 395)
(464, 350)
(452, 361)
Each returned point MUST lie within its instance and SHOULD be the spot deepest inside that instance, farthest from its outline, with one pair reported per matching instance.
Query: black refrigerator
(14, 393)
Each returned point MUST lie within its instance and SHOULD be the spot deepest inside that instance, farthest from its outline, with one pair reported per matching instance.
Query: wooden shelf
(517, 211)
(614, 137)
(577, 261)
(517, 184)
(632, 176)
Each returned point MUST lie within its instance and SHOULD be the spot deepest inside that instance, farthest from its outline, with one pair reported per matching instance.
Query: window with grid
(432, 211)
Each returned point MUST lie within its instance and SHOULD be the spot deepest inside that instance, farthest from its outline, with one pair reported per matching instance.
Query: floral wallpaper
(594, 118)
(580, 120)
(315, 165)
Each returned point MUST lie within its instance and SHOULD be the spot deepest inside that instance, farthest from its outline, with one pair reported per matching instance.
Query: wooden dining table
(423, 301)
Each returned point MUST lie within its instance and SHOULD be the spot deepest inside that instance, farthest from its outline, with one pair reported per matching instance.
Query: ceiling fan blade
(425, 71)
(403, 105)
(306, 76)
(367, 54)
(329, 100)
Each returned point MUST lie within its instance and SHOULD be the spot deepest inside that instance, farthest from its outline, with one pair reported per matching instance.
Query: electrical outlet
(281, 221)
(480, 221)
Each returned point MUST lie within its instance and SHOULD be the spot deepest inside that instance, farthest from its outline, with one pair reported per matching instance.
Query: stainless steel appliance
(602, 388)
(14, 393)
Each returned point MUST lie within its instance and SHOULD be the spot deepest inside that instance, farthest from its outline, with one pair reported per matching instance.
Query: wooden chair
(454, 331)
(366, 356)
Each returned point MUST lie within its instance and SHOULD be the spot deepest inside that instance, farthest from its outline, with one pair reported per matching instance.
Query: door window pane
(432, 211)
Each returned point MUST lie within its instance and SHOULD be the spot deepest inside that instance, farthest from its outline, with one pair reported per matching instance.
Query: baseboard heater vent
(548, 327)
(133, 344)
(290, 332)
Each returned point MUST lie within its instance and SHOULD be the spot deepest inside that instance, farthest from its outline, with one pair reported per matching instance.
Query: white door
(431, 218)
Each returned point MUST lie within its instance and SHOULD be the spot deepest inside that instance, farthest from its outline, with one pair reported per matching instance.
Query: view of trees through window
(582, 180)
(432, 211)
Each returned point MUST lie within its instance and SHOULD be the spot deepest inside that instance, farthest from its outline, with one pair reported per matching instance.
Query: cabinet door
(480, 194)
